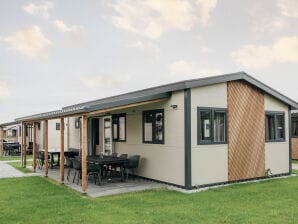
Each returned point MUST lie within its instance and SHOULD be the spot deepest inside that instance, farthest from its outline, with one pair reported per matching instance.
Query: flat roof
(158, 92)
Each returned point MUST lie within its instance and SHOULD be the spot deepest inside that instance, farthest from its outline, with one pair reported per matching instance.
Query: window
(77, 123)
(275, 126)
(119, 127)
(11, 133)
(211, 126)
(57, 126)
(295, 127)
(20, 131)
(153, 126)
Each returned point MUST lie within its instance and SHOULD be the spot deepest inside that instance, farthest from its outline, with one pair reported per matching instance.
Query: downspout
(187, 137)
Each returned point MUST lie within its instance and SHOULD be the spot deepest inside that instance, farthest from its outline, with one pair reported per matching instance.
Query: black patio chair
(133, 163)
(8, 150)
(77, 165)
(30, 148)
(95, 170)
(113, 168)
(40, 159)
(114, 154)
(69, 166)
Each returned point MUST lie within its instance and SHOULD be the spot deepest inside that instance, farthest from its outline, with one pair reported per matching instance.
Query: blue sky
(58, 53)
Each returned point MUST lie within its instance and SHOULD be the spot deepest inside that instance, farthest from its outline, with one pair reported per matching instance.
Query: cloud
(29, 42)
(285, 49)
(74, 29)
(102, 81)
(206, 8)
(41, 10)
(152, 18)
(288, 7)
(145, 46)
(265, 19)
(205, 50)
(191, 69)
(269, 24)
(4, 90)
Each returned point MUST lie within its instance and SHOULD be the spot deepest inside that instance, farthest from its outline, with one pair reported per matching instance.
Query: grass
(295, 161)
(18, 166)
(8, 158)
(40, 200)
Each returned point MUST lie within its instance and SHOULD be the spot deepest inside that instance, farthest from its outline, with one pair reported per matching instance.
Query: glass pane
(148, 127)
(270, 127)
(280, 125)
(115, 128)
(107, 122)
(205, 117)
(115, 131)
(219, 127)
(294, 127)
(159, 127)
(122, 128)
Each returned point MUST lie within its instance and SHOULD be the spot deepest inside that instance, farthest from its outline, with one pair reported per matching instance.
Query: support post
(62, 150)
(46, 145)
(1, 140)
(84, 153)
(34, 147)
(24, 144)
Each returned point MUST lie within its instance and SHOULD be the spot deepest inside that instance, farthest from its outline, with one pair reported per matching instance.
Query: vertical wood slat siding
(294, 148)
(246, 135)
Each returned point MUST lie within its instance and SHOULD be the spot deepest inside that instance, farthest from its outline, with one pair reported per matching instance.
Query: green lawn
(40, 200)
(295, 161)
(18, 165)
(8, 158)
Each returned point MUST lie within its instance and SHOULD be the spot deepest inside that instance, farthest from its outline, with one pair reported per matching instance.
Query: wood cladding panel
(246, 135)
(294, 148)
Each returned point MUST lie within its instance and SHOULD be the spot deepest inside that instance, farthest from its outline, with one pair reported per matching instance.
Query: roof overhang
(92, 109)
(152, 94)
(9, 124)
(242, 76)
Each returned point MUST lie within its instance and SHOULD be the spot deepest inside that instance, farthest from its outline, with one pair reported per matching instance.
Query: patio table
(107, 161)
(54, 152)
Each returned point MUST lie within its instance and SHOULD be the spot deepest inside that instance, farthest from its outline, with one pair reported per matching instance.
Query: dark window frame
(20, 131)
(58, 126)
(154, 112)
(78, 123)
(117, 116)
(212, 110)
(275, 114)
(293, 120)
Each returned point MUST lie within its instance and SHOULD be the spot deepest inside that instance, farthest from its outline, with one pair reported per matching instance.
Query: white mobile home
(191, 133)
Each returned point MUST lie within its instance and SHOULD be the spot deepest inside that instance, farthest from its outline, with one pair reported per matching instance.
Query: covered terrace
(86, 112)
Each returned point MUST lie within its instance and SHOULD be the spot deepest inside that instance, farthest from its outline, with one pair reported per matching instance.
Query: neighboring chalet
(191, 133)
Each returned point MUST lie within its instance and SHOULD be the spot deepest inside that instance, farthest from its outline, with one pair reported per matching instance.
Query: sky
(58, 53)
